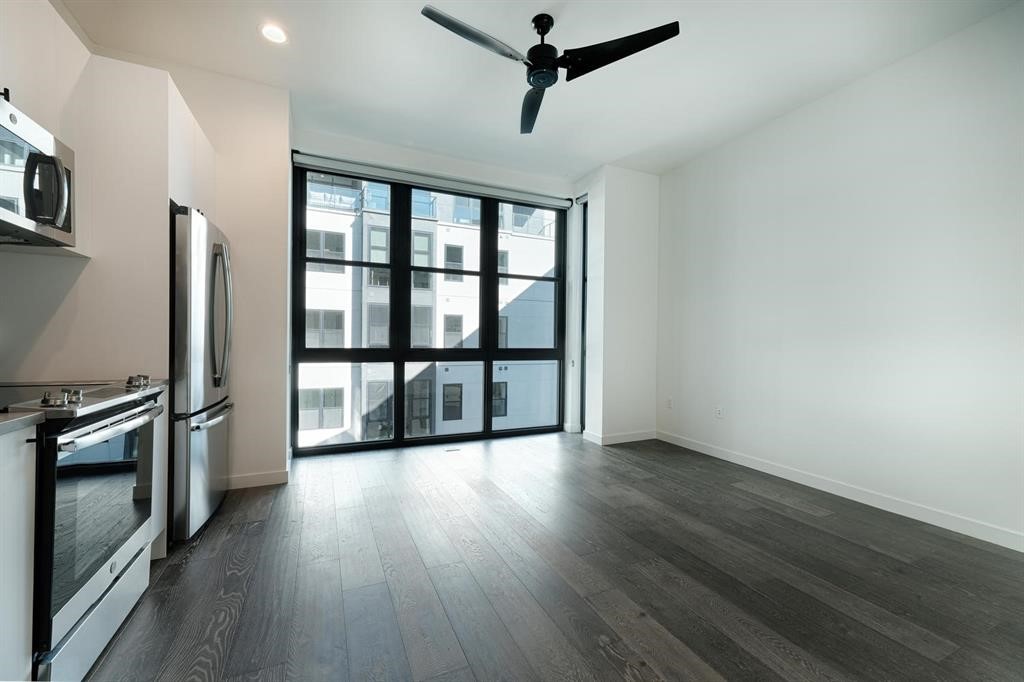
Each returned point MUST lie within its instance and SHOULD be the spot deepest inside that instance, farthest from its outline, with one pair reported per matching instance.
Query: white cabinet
(17, 519)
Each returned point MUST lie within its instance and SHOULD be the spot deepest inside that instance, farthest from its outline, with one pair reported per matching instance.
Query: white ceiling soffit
(383, 72)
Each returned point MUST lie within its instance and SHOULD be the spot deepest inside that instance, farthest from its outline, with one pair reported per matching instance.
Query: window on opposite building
(452, 397)
(453, 331)
(321, 408)
(422, 256)
(499, 398)
(325, 328)
(453, 260)
(420, 398)
(379, 277)
(320, 244)
(377, 325)
(502, 266)
(378, 409)
(502, 331)
(422, 331)
(466, 211)
(378, 244)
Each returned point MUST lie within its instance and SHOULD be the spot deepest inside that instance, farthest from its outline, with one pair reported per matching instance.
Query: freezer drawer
(200, 468)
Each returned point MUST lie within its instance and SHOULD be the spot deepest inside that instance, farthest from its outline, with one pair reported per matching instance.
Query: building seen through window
(348, 307)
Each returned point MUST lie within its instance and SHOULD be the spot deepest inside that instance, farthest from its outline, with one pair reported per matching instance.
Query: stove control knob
(75, 395)
(49, 400)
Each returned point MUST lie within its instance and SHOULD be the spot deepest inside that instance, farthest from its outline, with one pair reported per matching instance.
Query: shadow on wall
(32, 289)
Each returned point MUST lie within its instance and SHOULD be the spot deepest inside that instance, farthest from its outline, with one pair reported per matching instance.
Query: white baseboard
(616, 438)
(1006, 537)
(254, 480)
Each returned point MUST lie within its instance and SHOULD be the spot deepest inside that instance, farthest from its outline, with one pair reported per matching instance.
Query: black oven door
(94, 502)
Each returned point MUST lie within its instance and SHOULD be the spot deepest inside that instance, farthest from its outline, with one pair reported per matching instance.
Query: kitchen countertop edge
(15, 421)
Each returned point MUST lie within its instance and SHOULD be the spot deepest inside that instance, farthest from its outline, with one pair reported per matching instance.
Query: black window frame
(400, 275)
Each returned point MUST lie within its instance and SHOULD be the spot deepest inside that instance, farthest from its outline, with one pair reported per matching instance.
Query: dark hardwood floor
(550, 558)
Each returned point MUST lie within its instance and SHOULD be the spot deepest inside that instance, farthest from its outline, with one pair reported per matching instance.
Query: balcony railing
(536, 224)
(424, 205)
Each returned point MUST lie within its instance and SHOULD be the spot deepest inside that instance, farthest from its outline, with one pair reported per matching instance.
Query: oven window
(102, 499)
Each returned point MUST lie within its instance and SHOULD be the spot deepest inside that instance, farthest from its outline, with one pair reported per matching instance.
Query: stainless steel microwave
(37, 192)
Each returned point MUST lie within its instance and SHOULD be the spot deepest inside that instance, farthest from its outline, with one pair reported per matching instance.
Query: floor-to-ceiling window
(421, 315)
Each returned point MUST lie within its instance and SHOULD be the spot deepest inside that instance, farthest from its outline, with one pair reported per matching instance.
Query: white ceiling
(381, 71)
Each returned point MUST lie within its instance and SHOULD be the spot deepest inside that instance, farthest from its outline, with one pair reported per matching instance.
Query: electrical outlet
(719, 413)
(668, 403)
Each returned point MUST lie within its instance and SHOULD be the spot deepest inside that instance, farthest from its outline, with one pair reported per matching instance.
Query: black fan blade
(583, 60)
(473, 35)
(531, 107)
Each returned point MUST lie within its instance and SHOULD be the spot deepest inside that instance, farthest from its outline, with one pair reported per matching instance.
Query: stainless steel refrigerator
(202, 313)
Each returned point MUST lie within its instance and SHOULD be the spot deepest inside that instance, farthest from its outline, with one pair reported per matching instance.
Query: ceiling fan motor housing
(543, 69)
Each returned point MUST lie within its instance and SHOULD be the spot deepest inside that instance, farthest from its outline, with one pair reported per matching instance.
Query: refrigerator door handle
(220, 369)
(210, 423)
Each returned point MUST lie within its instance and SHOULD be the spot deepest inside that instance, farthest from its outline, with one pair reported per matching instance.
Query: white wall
(107, 317)
(248, 125)
(65, 318)
(847, 284)
(622, 304)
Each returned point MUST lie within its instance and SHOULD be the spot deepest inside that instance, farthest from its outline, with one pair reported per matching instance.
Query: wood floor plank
(669, 657)
(357, 548)
(605, 653)
(319, 534)
(199, 650)
(272, 674)
(668, 608)
(542, 643)
(318, 649)
(430, 642)
(490, 649)
(785, 657)
(434, 547)
(261, 639)
(375, 649)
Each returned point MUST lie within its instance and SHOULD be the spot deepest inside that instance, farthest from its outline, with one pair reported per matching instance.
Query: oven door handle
(210, 423)
(70, 443)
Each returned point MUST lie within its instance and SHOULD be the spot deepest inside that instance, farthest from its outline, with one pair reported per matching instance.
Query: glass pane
(527, 236)
(447, 221)
(443, 398)
(445, 314)
(525, 394)
(342, 402)
(347, 219)
(348, 309)
(526, 314)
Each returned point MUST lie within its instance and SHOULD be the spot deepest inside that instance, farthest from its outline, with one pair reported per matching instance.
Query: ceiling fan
(542, 61)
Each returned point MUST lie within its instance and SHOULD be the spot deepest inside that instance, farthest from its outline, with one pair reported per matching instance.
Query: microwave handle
(32, 163)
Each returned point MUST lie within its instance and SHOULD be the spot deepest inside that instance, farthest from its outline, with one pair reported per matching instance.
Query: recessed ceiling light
(274, 33)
